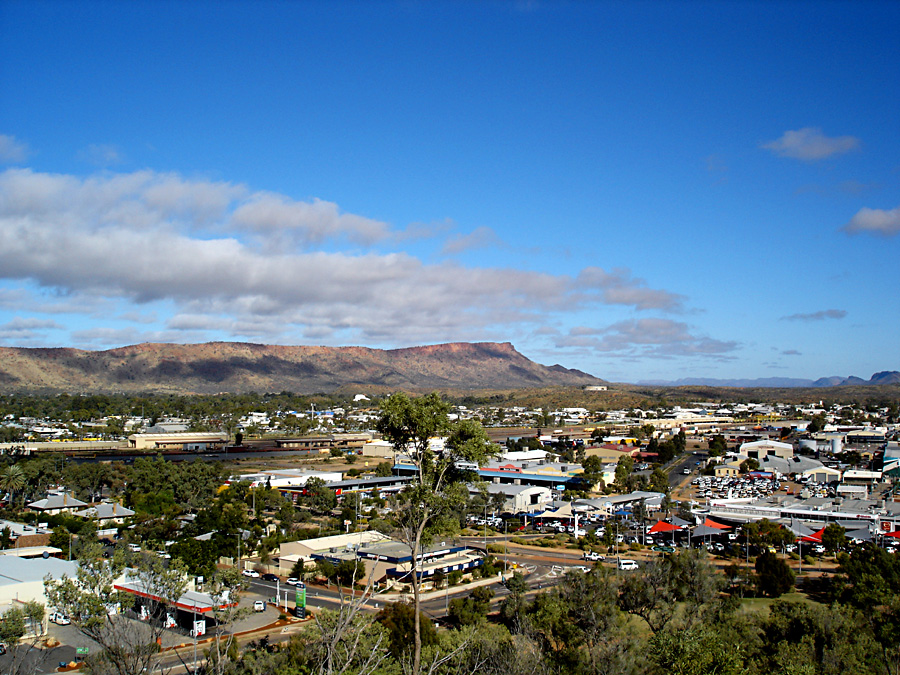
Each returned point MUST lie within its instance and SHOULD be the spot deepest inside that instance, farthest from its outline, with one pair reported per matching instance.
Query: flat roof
(15, 570)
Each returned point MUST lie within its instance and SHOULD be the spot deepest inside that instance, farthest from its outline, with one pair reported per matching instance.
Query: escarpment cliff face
(241, 367)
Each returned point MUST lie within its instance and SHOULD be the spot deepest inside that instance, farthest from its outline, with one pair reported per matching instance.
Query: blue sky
(638, 190)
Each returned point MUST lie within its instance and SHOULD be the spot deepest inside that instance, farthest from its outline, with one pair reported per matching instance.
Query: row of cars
(734, 487)
(268, 576)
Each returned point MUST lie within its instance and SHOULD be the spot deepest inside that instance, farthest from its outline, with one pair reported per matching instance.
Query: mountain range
(236, 367)
(884, 377)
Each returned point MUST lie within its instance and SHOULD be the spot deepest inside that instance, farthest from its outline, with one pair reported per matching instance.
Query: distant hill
(884, 377)
(236, 367)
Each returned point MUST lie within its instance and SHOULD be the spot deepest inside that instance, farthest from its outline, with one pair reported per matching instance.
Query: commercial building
(22, 580)
(386, 560)
(184, 442)
(759, 450)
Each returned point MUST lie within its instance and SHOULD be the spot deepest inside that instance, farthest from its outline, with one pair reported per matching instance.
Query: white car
(253, 574)
(60, 619)
(625, 564)
(292, 581)
(134, 548)
(259, 606)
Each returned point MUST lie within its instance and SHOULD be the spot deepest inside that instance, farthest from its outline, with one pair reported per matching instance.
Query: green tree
(471, 610)
(427, 507)
(774, 576)
(697, 651)
(659, 481)
(318, 496)
(12, 480)
(6, 539)
(384, 469)
(870, 579)
(199, 557)
(718, 446)
(95, 606)
(624, 467)
(580, 628)
(749, 464)
(350, 572)
(649, 594)
(21, 629)
(816, 423)
(666, 451)
(399, 619)
(512, 609)
(765, 532)
(812, 638)
(593, 469)
(834, 537)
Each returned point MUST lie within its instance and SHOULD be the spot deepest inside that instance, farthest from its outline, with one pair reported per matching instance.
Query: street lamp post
(505, 546)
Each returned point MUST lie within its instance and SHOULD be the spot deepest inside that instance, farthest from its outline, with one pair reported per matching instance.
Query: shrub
(774, 577)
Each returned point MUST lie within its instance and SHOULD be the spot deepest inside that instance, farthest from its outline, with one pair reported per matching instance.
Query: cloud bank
(260, 265)
(651, 337)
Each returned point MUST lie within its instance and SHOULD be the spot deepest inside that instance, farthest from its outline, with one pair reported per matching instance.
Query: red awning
(714, 524)
(895, 533)
(663, 526)
(814, 538)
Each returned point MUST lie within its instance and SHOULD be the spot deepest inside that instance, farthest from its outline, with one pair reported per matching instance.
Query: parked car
(60, 619)
(164, 555)
(259, 606)
(268, 576)
(134, 548)
(253, 574)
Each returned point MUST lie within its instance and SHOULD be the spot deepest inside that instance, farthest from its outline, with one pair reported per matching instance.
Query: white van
(625, 564)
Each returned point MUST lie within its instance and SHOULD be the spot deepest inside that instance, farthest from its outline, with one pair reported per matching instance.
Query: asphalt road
(688, 461)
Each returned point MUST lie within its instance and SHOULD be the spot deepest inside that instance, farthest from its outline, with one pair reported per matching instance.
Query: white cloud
(810, 144)
(481, 237)
(875, 221)
(620, 288)
(12, 150)
(205, 249)
(650, 337)
(22, 331)
(281, 221)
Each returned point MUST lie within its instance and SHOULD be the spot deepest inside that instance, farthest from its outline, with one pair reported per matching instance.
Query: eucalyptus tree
(428, 506)
(96, 606)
